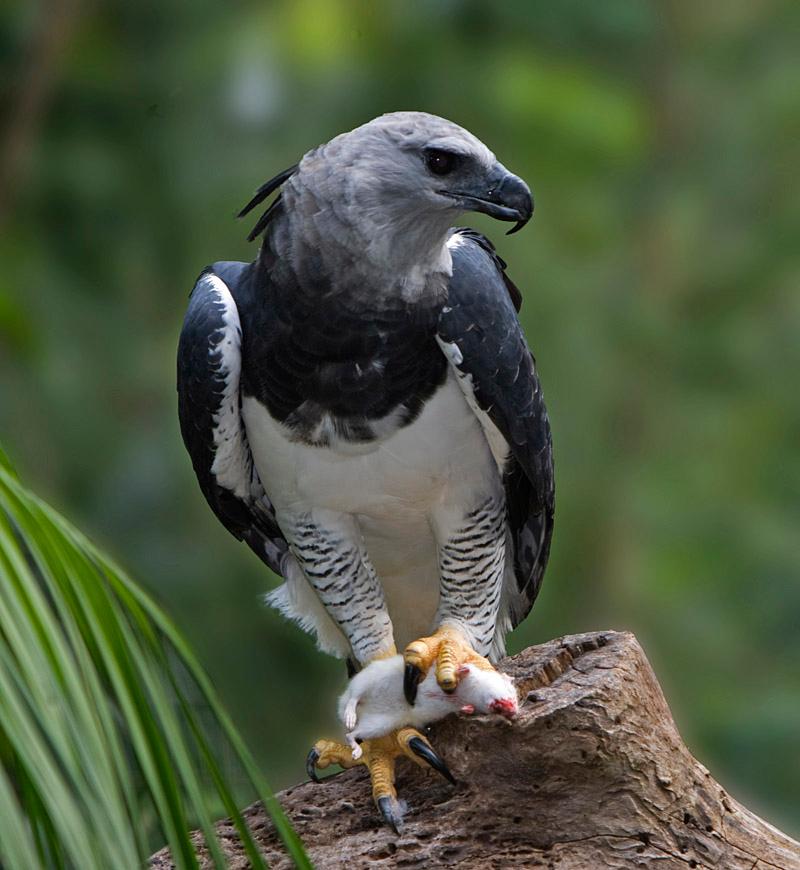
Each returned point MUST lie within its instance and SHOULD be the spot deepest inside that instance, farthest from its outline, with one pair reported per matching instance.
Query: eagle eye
(441, 162)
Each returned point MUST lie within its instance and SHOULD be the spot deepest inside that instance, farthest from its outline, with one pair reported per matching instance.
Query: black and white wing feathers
(209, 370)
(481, 335)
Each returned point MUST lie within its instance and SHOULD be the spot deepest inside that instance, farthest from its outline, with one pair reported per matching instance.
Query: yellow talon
(381, 772)
(379, 755)
(327, 752)
(448, 649)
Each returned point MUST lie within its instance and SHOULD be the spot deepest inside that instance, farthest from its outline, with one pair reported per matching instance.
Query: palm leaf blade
(96, 731)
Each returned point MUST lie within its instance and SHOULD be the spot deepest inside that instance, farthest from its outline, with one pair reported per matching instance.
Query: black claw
(424, 751)
(311, 765)
(388, 808)
(411, 679)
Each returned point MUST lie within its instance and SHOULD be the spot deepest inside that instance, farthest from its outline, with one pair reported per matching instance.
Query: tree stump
(592, 774)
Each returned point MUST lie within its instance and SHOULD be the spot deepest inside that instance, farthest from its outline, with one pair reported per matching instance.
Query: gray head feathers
(363, 163)
(379, 200)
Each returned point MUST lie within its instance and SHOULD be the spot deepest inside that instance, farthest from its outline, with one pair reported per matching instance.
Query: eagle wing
(209, 369)
(480, 333)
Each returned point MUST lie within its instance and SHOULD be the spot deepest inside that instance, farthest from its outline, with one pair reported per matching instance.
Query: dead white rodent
(374, 704)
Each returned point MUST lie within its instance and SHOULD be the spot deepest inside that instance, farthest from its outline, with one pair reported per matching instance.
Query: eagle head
(410, 168)
(383, 197)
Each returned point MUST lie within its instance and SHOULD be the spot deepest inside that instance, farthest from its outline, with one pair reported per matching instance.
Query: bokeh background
(661, 276)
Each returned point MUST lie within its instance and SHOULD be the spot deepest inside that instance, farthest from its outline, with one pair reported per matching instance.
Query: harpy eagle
(362, 409)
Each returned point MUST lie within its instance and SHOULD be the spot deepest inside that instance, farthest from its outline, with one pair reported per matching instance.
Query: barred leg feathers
(472, 563)
(329, 550)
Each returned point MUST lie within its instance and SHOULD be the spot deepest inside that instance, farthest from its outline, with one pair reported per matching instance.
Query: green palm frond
(99, 737)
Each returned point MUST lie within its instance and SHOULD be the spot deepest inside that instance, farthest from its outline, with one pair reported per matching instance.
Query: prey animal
(374, 703)
(361, 409)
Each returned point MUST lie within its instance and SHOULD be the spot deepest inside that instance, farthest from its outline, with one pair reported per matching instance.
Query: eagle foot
(449, 651)
(379, 755)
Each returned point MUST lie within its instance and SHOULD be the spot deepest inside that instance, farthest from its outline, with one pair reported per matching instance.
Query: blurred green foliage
(660, 273)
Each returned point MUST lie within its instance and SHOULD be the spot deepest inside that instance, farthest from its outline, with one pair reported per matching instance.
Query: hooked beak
(501, 195)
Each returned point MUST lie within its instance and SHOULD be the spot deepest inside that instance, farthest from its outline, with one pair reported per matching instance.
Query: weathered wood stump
(592, 774)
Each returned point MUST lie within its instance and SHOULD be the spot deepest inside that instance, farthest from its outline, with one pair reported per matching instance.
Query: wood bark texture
(591, 775)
